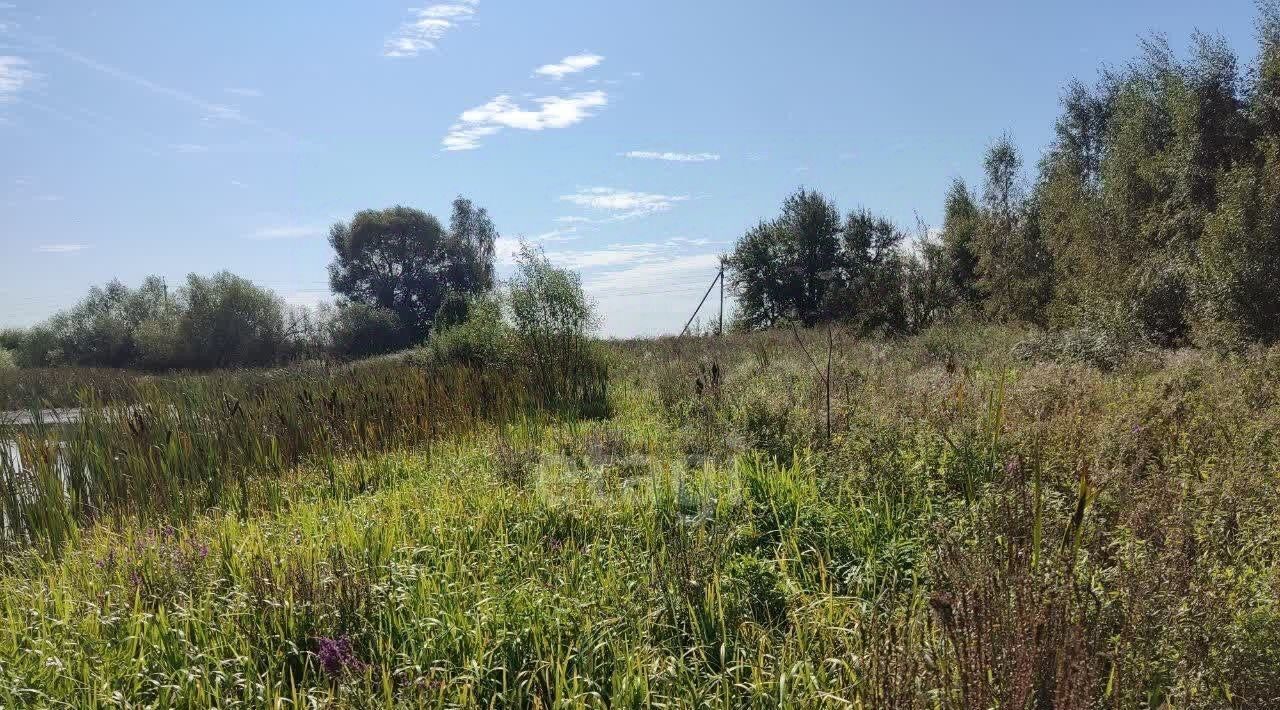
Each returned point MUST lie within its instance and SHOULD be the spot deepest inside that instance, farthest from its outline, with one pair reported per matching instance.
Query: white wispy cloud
(569, 65)
(668, 272)
(506, 249)
(655, 293)
(672, 157)
(611, 255)
(61, 248)
(210, 108)
(503, 112)
(292, 231)
(626, 203)
(639, 287)
(15, 74)
(245, 92)
(427, 26)
(563, 234)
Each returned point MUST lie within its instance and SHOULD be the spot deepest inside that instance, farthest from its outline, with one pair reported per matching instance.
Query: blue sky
(635, 141)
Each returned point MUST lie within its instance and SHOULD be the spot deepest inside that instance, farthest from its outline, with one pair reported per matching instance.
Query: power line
(718, 279)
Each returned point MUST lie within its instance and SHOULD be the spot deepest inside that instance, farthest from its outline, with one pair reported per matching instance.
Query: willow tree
(404, 260)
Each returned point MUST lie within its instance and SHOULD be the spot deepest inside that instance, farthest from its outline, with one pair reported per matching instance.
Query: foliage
(1013, 265)
(552, 320)
(810, 266)
(929, 291)
(216, 322)
(960, 244)
(227, 321)
(11, 338)
(101, 328)
(39, 347)
(484, 339)
(7, 361)
(211, 322)
(403, 260)
(359, 330)
(1159, 195)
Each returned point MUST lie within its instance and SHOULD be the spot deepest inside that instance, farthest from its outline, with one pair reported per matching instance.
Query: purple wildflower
(337, 657)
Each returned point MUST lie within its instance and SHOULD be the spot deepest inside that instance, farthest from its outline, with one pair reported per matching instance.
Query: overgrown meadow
(965, 519)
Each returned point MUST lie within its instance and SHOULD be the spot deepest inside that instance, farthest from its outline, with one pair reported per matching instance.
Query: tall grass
(167, 451)
(977, 532)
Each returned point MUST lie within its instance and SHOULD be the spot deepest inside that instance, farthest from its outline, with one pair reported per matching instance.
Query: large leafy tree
(866, 289)
(405, 261)
(783, 269)
(1158, 200)
(809, 265)
(102, 329)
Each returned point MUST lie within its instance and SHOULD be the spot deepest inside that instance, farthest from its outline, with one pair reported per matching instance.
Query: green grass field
(971, 530)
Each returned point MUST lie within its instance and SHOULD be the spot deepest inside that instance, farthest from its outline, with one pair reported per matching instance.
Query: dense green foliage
(537, 327)
(810, 266)
(210, 322)
(1153, 217)
(975, 532)
(403, 260)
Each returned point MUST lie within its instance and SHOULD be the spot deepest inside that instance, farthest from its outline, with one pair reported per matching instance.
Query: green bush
(1103, 348)
(359, 330)
(754, 591)
(483, 339)
(39, 348)
(11, 338)
(7, 361)
(553, 319)
(767, 428)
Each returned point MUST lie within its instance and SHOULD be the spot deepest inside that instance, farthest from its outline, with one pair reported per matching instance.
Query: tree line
(399, 274)
(1154, 215)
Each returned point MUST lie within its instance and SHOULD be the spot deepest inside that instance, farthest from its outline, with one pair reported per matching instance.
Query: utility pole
(720, 323)
(719, 277)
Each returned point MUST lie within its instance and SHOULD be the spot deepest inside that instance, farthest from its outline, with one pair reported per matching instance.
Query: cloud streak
(569, 65)
(624, 203)
(15, 75)
(427, 26)
(672, 157)
(61, 248)
(503, 112)
(211, 110)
